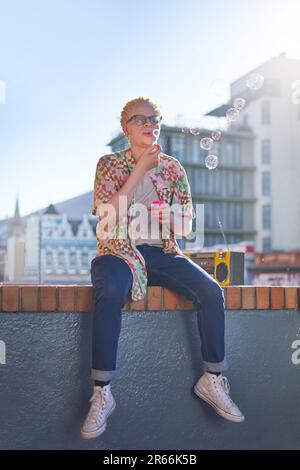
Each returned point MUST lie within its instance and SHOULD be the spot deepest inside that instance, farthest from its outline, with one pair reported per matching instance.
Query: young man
(126, 264)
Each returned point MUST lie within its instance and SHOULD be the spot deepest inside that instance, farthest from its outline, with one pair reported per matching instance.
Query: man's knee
(109, 269)
(111, 278)
(215, 292)
(210, 291)
(110, 295)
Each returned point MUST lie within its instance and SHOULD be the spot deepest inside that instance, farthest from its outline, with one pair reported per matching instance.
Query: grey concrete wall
(45, 385)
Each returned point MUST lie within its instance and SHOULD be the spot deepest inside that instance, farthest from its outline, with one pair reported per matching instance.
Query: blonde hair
(126, 111)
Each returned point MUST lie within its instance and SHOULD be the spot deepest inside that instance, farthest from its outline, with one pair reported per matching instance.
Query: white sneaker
(103, 405)
(214, 389)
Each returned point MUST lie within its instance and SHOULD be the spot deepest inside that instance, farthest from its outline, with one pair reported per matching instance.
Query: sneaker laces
(224, 383)
(98, 402)
(225, 388)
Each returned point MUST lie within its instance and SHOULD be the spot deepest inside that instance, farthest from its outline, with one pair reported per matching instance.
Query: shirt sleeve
(104, 184)
(182, 192)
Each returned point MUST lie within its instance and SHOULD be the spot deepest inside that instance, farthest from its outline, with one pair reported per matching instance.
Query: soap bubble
(239, 103)
(211, 162)
(185, 130)
(206, 143)
(255, 81)
(195, 131)
(232, 114)
(216, 135)
(155, 133)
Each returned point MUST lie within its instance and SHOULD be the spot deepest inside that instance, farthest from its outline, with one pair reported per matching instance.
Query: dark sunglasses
(140, 119)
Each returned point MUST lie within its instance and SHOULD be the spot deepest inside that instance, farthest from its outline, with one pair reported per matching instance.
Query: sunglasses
(140, 119)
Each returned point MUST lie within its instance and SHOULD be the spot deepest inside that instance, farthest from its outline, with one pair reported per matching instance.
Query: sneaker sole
(98, 432)
(224, 414)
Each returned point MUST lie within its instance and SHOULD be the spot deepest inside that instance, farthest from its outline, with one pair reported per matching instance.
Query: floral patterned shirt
(172, 186)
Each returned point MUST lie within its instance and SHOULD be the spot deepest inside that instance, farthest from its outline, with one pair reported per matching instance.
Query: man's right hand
(150, 158)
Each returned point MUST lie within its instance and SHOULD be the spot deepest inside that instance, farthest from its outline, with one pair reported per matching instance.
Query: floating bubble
(232, 114)
(216, 135)
(239, 103)
(206, 143)
(195, 131)
(211, 162)
(255, 81)
(155, 133)
(185, 130)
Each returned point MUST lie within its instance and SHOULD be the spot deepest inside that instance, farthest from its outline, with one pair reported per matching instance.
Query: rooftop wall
(45, 341)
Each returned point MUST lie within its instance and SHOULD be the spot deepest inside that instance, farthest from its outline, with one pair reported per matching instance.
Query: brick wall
(79, 298)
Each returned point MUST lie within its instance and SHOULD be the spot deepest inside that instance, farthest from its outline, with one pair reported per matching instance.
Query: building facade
(277, 269)
(59, 250)
(273, 113)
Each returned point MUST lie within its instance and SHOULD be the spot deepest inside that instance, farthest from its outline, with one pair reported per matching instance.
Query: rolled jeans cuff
(215, 366)
(102, 375)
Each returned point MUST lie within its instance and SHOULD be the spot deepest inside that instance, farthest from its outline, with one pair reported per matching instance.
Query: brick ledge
(78, 298)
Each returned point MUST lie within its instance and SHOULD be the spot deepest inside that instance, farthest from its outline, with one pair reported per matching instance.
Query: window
(49, 258)
(84, 259)
(265, 112)
(266, 216)
(266, 183)
(196, 151)
(233, 153)
(234, 215)
(189, 174)
(216, 214)
(212, 211)
(234, 183)
(266, 151)
(165, 143)
(209, 240)
(212, 182)
(266, 244)
(177, 147)
(61, 258)
(73, 258)
(162, 140)
(207, 216)
(212, 240)
(198, 154)
(198, 180)
(233, 238)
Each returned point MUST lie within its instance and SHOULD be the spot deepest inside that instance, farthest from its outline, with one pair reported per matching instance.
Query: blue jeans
(112, 281)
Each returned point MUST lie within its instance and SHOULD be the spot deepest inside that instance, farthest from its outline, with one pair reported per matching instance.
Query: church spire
(17, 211)
(16, 224)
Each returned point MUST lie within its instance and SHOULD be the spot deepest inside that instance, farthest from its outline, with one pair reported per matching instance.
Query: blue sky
(70, 65)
